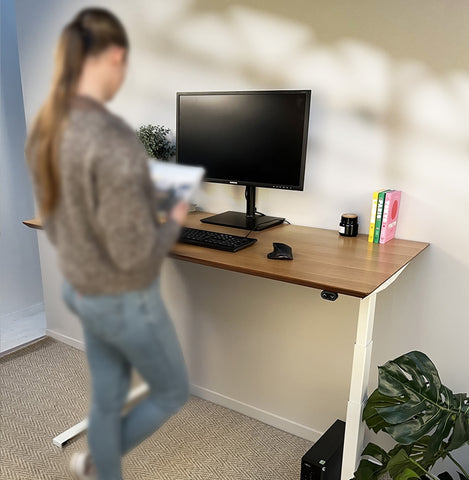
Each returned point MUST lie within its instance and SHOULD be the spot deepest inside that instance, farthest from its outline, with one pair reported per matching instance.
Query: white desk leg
(354, 427)
(60, 440)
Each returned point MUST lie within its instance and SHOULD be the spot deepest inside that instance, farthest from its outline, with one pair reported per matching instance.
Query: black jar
(348, 226)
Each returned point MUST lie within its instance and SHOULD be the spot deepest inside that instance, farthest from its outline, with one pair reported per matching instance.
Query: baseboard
(20, 328)
(80, 345)
(269, 418)
(263, 416)
(20, 347)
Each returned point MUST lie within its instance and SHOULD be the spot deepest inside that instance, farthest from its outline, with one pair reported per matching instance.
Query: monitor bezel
(281, 186)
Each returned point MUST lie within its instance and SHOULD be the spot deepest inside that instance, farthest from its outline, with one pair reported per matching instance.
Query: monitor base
(241, 220)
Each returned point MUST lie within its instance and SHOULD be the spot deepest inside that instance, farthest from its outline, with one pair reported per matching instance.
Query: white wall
(387, 112)
(20, 275)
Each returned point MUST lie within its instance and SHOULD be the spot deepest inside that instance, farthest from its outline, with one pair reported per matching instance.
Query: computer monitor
(251, 138)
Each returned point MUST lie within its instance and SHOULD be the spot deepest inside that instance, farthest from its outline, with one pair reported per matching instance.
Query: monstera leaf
(402, 466)
(403, 462)
(373, 464)
(411, 403)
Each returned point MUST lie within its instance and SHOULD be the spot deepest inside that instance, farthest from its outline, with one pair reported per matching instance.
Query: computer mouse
(281, 251)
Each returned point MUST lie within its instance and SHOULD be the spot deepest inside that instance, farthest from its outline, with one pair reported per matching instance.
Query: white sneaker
(81, 466)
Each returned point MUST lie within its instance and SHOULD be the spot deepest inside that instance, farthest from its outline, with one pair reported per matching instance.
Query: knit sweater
(105, 226)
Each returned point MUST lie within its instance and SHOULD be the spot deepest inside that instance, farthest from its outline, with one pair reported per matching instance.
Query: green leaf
(435, 442)
(420, 425)
(409, 375)
(373, 463)
(460, 432)
(407, 411)
(402, 467)
(401, 462)
(426, 419)
(416, 451)
(371, 416)
(413, 403)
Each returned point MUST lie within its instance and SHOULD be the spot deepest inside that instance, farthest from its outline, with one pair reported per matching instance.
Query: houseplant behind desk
(426, 418)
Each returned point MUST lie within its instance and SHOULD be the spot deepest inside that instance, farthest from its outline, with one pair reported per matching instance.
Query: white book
(175, 182)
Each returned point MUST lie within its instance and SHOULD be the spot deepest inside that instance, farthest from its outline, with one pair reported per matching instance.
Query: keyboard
(219, 241)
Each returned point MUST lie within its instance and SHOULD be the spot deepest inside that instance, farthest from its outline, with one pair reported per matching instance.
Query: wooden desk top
(322, 258)
(33, 223)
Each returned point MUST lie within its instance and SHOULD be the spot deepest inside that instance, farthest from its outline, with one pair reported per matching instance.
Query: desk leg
(60, 440)
(354, 427)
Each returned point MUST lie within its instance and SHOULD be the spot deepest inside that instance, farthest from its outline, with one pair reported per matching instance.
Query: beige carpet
(44, 391)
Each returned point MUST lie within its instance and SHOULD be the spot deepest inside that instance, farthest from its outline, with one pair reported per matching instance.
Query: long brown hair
(89, 33)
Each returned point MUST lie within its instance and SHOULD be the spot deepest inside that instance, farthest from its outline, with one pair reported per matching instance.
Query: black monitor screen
(246, 138)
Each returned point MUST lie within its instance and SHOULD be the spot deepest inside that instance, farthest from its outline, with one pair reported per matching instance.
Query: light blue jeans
(123, 331)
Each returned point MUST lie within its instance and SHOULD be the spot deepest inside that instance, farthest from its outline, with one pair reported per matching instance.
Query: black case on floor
(323, 461)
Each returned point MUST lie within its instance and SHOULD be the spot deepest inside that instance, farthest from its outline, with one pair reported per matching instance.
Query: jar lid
(349, 218)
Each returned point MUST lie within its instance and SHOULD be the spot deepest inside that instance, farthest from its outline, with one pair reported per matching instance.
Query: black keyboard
(219, 241)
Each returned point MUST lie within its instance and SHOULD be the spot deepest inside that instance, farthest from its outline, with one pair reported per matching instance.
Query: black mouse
(281, 251)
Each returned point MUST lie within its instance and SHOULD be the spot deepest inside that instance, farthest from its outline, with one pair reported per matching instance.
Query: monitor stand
(247, 221)
(241, 220)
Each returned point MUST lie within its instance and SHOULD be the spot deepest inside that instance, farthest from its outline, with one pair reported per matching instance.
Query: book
(374, 204)
(174, 182)
(379, 215)
(390, 212)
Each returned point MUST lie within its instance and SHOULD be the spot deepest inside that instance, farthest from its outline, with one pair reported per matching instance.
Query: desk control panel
(331, 296)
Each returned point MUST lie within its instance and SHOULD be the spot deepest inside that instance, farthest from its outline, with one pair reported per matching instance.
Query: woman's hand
(179, 212)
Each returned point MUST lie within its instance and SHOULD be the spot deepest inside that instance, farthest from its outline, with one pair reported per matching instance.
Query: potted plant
(157, 141)
(426, 419)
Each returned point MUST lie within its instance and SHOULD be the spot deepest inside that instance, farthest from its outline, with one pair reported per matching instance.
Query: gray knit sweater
(105, 227)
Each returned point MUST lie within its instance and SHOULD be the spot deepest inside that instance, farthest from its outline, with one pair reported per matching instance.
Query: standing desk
(323, 260)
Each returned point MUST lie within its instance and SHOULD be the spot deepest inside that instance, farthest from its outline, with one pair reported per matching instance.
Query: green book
(379, 215)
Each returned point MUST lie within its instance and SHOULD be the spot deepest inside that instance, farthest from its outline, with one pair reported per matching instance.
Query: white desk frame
(354, 427)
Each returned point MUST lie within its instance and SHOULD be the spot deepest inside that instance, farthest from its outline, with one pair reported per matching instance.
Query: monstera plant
(426, 419)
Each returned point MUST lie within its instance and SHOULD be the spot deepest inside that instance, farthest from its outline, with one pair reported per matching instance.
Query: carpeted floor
(44, 391)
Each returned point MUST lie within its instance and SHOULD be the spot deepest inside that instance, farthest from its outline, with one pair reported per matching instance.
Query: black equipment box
(323, 461)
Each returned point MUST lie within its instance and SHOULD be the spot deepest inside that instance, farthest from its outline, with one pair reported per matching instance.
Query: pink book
(390, 212)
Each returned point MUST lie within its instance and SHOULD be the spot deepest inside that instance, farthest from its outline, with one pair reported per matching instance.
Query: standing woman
(97, 204)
